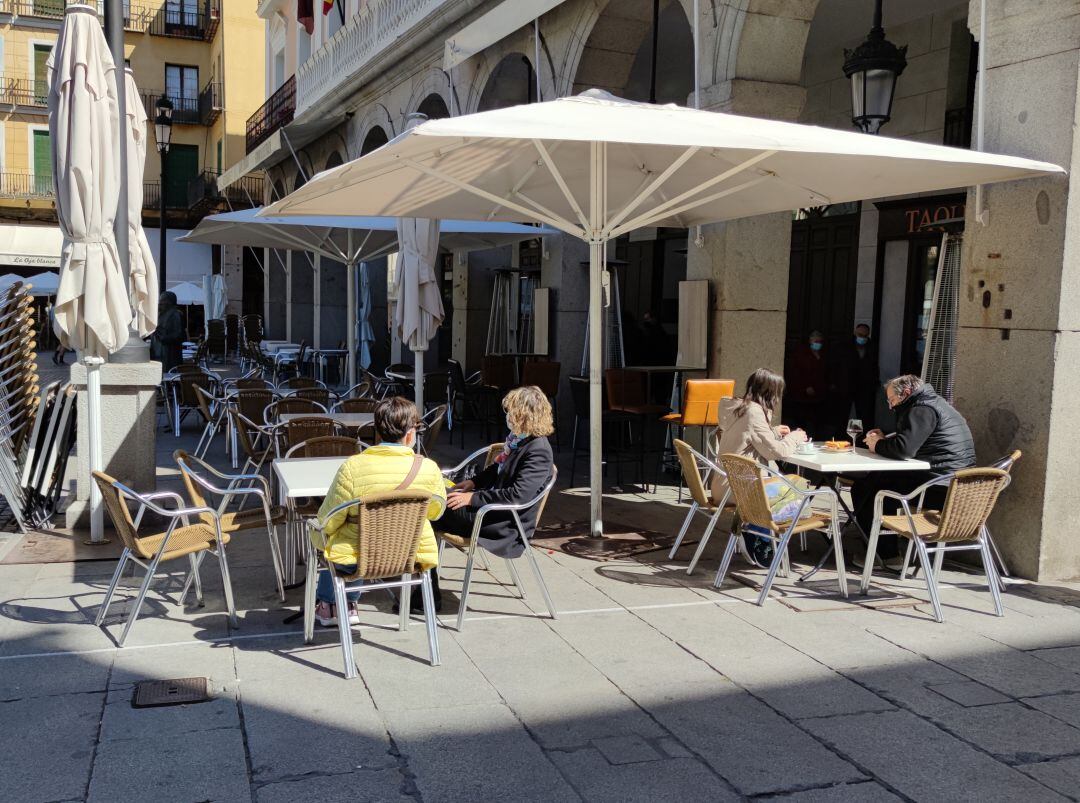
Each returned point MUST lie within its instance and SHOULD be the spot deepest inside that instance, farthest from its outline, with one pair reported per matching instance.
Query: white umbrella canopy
(188, 293)
(92, 309)
(419, 309)
(142, 269)
(597, 166)
(44, 284)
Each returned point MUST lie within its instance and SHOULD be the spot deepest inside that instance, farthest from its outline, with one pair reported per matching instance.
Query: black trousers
(904, 482)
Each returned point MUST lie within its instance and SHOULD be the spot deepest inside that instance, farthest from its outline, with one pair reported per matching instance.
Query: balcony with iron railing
(272, 115)
(18, 90)
(201, 110)
(205, 197)
(24, 184)
(184, 22)
(378, 26)
(211, 102)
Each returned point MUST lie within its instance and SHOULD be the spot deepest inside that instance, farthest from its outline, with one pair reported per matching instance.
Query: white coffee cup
(806, 447)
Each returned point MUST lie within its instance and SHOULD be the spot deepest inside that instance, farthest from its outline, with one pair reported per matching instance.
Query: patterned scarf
(513, 441)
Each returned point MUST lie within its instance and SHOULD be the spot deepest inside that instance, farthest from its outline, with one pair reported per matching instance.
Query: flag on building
(329, 4)
(305, 15)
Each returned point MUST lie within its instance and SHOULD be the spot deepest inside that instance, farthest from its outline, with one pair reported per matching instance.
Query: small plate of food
(837, 446)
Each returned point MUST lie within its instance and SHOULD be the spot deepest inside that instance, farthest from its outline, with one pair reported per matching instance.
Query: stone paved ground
(650, 686)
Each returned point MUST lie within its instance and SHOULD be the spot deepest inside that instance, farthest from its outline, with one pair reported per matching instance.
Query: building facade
(348, 86)
(205, 56)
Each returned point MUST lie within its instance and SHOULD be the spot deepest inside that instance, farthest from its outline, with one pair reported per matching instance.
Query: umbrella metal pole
(597, 247)
(418, 379)
(93, 414)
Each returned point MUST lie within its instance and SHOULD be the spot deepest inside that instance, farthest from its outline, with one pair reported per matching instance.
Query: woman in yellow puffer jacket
(378, 469)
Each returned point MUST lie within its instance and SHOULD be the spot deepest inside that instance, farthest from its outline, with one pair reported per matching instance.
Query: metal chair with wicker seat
(430, 427)
(747, 483)
(300, 382)
(212, 410)
(388, 530)
(696, 470)
(195, 474)
(322, 396)
(469, 545)
(298, 430)
(149, 551)
(959, 526)
(247, 436)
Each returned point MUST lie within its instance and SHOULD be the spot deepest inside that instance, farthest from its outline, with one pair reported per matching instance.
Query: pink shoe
(324, 614)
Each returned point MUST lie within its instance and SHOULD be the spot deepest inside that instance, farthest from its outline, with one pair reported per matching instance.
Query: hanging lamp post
(873, 68)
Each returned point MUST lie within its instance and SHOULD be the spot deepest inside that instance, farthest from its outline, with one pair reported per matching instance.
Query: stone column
(232, 268)
(128, 429)
(1018, 349)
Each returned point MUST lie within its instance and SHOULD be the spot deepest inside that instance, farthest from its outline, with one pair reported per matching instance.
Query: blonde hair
(529, 411)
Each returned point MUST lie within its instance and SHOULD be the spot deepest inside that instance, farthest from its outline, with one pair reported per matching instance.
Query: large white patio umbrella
(142, 270)
(348, 239)
(596, 166)
(419, 309)
(92, 313)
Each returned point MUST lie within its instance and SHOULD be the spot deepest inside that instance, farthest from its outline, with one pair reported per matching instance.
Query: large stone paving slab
(375, 786)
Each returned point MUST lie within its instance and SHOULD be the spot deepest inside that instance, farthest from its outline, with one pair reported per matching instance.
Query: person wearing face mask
(166, 344)
(516, 476)
(858, 381)
(927, 428)
(807, 397)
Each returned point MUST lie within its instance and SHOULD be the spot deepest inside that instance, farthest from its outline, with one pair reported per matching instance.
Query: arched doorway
(375, 138)
(434, 107)
(618, 54)
(511, 83)
(623, 56)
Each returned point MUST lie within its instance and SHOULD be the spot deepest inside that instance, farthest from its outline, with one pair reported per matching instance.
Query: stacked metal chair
(37, 426)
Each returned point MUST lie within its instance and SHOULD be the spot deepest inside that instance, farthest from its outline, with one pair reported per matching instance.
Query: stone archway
(375, 138)
(617, 55)
(433, 107)
(511, 83)
(333, 160)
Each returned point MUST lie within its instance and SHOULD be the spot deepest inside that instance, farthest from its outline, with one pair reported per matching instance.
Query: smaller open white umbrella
(44, 284)
(188, 293)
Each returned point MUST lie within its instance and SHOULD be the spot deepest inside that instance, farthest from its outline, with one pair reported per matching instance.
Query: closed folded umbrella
(214, 299)
(366, 333)
(597, 166)
(143, 284)
(92, 312)
(418, 310)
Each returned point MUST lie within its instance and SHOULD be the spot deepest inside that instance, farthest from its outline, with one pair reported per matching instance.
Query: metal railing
(272, 115)
(25, 184)
(375, 28)
(185, 110)
(211, 102)
(958, 127)
(185, 22)
(24, 91)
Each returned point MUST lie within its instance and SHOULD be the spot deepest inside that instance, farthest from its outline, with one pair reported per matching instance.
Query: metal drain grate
(175, 691)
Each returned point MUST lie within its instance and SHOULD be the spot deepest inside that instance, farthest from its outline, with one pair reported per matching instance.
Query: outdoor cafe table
(323, 356)
(274, 346)
(299, 477)
(834, 465)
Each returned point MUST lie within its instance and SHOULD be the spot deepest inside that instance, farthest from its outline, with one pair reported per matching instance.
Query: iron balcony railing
(187, 21)
(136, 18)
(958, 127)
(25, 184)
(185, 110)
(152, 197)
(211, 102)
(24, 91)
(204, 193)
(272, 115)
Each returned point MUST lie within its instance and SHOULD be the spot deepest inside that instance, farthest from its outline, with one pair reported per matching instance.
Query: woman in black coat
(517, 476)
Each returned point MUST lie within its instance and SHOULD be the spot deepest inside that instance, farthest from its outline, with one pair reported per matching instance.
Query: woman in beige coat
(746, 426)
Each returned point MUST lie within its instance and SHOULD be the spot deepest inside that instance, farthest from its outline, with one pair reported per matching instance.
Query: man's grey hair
(904, 386)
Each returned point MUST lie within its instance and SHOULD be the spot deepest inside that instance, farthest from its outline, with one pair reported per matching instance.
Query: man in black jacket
(927, 428)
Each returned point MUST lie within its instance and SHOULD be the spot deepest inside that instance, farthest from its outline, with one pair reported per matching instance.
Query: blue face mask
(861, 341)
(816, 345)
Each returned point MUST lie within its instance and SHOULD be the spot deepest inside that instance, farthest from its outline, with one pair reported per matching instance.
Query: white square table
(299, 477)
(835, 464)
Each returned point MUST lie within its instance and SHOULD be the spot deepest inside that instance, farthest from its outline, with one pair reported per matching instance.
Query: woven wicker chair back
(325, 446)
(251, 384)
(388, 530)
(744, 479)
(119, 513)
(969, 503)
(252, 402)
(298, 430)
(298, 382)
(691, 473)
(188, 383)
(291, 405)
(357, 405)
(194, 491)
(204, 400)
(544, 374)
(315, 394)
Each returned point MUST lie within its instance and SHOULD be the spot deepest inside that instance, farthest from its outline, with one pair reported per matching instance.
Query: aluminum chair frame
(701, 461)
(227, 494)
(515, 510)
(783, 540)
(930, 573)
(316, 556)
(147, 502)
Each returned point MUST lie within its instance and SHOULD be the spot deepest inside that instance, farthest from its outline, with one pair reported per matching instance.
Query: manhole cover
(176, 691)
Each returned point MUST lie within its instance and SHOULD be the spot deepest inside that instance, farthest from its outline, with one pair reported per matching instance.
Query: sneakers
(326, 616)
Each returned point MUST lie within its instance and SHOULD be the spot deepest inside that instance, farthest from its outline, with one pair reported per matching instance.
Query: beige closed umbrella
(143, 286)
(92, 312)
(419, 308)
